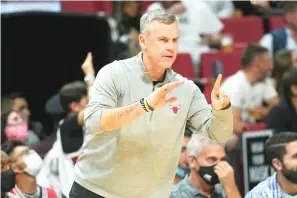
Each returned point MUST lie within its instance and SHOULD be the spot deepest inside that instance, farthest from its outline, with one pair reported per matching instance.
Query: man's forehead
(18, 150)
(160, 29)
(213, 149)
(291, 148)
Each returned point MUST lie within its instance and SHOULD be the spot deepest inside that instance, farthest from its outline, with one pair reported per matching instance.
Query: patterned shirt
(185, 189)
(269, 188)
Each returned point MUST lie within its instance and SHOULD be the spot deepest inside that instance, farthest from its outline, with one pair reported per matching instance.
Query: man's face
(20, 105)
(264, 66)
(5, 163)
(291, 18)
(79, 106)
(183, 155)
(159, 43)
(290, 158)
(210, 155)
(17, 157)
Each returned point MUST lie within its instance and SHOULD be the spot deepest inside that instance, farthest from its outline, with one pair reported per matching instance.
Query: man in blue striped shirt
(281, 151)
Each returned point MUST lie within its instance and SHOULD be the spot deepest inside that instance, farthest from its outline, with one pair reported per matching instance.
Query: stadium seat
(255, 127)
(87, 6)
(184, 66)
(244, 29)
(230, 61)
(275, 22)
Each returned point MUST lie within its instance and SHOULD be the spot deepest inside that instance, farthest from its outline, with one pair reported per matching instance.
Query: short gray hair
(196, 144)
(160, 15)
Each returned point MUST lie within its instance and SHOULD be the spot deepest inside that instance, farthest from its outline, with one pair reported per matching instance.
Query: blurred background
(44, 44)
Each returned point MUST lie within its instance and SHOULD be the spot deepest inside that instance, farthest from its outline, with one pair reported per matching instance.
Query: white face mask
(34, 163)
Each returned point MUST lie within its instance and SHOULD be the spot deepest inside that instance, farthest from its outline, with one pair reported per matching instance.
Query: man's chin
(166, 65)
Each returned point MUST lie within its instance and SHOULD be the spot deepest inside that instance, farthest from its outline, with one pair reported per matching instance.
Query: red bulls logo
(175, 109)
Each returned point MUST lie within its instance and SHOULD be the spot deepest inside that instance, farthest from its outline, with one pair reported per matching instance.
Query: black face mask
(7, 180)
(290, 175)
(208, 175)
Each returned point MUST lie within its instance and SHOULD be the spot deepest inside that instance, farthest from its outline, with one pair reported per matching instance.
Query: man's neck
(156, 74)
(286, 186)
(202, 186)
(294, 103)
(26, 184)
(251, 78)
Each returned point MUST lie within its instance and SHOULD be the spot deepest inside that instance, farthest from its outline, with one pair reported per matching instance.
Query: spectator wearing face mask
(183, 169)
(15, 128)
(281, 152)
(7, 175)
(26, 163)
(206, 159)
(20, 105)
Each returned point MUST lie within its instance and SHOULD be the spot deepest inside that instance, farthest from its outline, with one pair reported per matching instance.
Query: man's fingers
(217, 84)
(170, 86)
(171, 100)
(88, 58)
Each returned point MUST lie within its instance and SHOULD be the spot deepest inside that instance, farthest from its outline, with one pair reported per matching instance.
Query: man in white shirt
(253, 94)
(284, 37)
(223, 9)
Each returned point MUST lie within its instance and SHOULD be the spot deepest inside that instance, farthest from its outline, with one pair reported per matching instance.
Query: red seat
(184, 66)
(87, 6)
(255, 127)
(230, 60)
(231, 64)
(276, 22)
(244, 29)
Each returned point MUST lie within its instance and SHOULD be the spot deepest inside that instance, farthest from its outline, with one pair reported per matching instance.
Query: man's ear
(277, 165)
(192, 162)
(142, 41)
(15, 167)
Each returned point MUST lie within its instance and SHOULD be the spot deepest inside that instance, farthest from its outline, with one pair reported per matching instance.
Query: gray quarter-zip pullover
(139, 160)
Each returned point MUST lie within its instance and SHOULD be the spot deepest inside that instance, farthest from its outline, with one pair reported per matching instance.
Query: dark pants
(77, 191)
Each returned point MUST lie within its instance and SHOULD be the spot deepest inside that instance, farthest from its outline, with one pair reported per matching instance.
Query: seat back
(276, 22)
(244, 29)
(184, 66)
(230, 62)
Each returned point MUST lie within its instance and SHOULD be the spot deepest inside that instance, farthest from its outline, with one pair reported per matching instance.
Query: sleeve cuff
(93, 122)
(227, 107)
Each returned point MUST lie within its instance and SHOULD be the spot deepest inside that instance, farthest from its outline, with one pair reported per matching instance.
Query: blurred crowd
(263, 91)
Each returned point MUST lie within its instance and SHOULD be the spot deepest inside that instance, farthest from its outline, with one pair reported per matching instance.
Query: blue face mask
(180, 172)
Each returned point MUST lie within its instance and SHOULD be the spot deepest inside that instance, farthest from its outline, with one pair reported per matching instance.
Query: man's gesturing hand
(87, 66)
(219, 99)
(158, 98)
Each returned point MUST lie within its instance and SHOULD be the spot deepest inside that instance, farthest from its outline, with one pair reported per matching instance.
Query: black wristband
(143, 105)
(149, 106)
(227, 107)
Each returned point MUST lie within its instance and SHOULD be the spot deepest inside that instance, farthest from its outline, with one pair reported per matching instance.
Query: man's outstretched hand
(158, 98)
(219, 99)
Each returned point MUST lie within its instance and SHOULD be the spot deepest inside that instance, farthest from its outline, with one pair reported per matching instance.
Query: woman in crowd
(283, 60)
